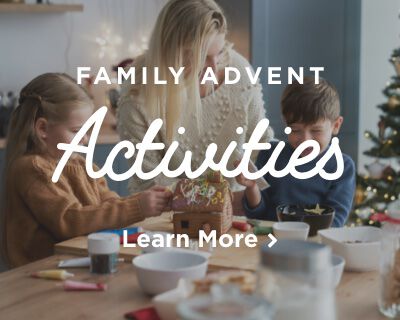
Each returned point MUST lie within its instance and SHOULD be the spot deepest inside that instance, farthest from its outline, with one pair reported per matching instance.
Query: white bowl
(156, 235)
(291, 230)
(359, 246)
(160, 271)
(338, 263)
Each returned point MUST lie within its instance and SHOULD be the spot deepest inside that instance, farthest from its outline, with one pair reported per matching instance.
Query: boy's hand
(154, 201)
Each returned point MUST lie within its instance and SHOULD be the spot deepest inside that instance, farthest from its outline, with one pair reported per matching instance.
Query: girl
(39, 213)
(189, 33)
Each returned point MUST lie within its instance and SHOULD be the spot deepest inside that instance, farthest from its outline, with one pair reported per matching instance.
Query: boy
(312, 111)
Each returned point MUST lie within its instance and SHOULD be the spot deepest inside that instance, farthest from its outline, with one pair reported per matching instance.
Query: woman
(189, 33)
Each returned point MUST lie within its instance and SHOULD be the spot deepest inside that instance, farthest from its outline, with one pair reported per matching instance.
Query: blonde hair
(51, 96)
(180, 38)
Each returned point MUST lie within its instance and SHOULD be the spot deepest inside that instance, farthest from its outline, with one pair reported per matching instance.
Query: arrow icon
(273, 240)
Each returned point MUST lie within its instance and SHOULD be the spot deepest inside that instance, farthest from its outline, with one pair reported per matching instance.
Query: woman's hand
(242, 180)
(154, 200)
(252, 192)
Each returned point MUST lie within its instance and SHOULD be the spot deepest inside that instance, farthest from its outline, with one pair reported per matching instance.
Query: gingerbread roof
(201, 195)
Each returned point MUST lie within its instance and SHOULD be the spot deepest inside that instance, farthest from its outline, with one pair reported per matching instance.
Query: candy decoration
(260, 230)
(193, 192)
(149, 313)
(132, 238)
(199, 195)
(242, 226)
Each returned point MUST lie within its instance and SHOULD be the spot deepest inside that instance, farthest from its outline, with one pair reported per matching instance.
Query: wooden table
(23, 297)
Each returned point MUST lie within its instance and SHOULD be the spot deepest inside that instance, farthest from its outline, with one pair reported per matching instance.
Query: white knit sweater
(229, 107)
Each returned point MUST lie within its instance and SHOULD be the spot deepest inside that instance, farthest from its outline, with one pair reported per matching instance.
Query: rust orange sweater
(40, 213)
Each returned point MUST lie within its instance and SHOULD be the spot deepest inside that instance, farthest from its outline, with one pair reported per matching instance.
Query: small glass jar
(225, 302)
(296, 277)
(103, 251)
(389, 270)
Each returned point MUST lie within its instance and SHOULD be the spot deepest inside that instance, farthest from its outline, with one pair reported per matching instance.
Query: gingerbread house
(202, 204)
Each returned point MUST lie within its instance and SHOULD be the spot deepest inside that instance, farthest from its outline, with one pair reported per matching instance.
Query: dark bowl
(289, 212)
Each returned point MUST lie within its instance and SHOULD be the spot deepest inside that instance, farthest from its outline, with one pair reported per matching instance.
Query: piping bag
(120, 232)
(70, 285)
(79, 262)
(52, 274)
(75, 263)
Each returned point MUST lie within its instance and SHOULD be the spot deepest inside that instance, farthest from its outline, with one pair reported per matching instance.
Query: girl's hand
(154, 201)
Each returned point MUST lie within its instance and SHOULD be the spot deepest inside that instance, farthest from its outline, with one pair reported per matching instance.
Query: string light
(108, 42)
(386, 196)
(392, 198)
(367, 135)
(390, 178)
(369, 188)
(374, 190)
(111, 35)
(137, 48)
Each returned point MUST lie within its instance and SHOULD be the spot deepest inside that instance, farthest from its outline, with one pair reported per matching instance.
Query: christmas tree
(381, 185)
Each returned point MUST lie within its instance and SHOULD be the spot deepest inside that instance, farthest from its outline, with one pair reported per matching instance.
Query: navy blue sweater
(289, 190)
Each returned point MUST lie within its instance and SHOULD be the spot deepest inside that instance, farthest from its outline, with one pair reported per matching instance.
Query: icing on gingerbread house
(202, 204)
